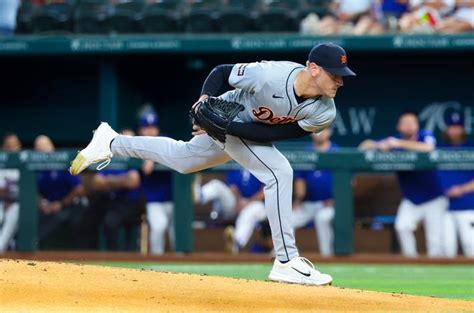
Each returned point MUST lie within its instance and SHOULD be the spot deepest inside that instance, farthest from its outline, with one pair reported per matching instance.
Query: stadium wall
(59, 88)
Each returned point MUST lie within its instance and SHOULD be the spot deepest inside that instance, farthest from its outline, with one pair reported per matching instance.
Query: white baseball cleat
(298, 270)
(98, 150)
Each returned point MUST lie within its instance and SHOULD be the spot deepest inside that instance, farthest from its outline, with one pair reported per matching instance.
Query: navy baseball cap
(454, 118)
(332, 58)
(148, 119)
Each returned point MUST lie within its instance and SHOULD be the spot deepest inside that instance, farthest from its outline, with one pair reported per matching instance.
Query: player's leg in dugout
(434, 213)
(465, 225)
(252, 214)
(408, 217)
(264, 161)
(216, 190)
(159, 218)
(323, 221)
(450, 239)
(303, 215)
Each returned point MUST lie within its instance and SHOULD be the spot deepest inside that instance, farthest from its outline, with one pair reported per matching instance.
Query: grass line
(446, 281)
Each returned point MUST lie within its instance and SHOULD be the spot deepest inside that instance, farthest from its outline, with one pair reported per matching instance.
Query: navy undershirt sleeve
(263, 133)
(217, 82)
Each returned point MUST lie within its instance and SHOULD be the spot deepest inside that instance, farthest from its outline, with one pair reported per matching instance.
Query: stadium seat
(245, 4)
(53, 17)
(136, 6)
(205, 4)
(170, 5)
(319, 7)
(201, 21)
(122, 21)
(156, 20)
(24, 16)
(276, 20)
(89, 23)
(283, 4)
(234, 20)
(90, 15)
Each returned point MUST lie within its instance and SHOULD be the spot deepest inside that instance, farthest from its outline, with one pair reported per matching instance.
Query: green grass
(446, 281)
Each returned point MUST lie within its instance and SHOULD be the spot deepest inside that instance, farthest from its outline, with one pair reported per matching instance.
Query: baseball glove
(214, 116)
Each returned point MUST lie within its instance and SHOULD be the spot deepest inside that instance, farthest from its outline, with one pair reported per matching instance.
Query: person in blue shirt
(313, 197)
(458, 186)
(156, 188)
(116, 203)
(423, 198)
(241, 196)
(58, 196)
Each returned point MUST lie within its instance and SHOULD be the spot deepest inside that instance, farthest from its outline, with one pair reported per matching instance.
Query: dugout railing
(344, 163)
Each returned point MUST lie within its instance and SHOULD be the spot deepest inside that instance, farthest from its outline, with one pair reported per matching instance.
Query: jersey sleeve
(299, 174)
(429, 138)
(249, 77)
(320, 118)
(232, 177)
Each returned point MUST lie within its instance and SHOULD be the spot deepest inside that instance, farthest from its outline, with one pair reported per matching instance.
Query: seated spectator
(240, 196)
(11, 143)
(423, 198)
(344, 15)
(384, 15)
(114, 202)
(313, 198)
(424, 15)
(58, 198)
(9, 206)
(462, 20)
(8, 10)
(459, 188)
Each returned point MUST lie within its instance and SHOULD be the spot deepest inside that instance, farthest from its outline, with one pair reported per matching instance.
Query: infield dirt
(32, 286)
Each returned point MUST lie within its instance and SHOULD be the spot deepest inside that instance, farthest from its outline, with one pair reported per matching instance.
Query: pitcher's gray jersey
(265, 89)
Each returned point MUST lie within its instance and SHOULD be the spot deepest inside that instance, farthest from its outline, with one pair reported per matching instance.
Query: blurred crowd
(365, 17)
(310, 17)
(113, 209)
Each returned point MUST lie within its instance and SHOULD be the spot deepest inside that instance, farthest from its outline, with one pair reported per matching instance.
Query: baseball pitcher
(263, 102)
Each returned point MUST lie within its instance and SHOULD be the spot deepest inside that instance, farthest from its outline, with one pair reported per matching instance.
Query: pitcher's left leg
(269, 166)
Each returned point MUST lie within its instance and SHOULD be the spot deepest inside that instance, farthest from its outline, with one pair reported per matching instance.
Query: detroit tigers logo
(343, 59)
(264, 114)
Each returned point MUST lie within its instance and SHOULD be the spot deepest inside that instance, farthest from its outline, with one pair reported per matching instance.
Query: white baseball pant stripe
(160, 216)
(322, 217)
(459, 223)
(431, 213)
(10, 224)
(264, 161)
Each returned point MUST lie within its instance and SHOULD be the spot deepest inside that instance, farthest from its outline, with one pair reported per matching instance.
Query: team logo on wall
(432, 117)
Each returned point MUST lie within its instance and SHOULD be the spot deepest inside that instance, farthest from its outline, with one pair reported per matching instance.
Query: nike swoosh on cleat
(277, 97)
(305, 274)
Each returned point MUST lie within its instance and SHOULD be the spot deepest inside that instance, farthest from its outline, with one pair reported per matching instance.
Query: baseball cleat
(229, 240)
(298, 270)
(98, 150)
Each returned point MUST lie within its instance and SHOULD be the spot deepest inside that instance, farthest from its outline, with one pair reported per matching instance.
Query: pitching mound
(28, 286)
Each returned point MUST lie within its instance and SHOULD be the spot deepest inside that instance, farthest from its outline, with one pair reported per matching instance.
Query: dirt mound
(31, 286)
